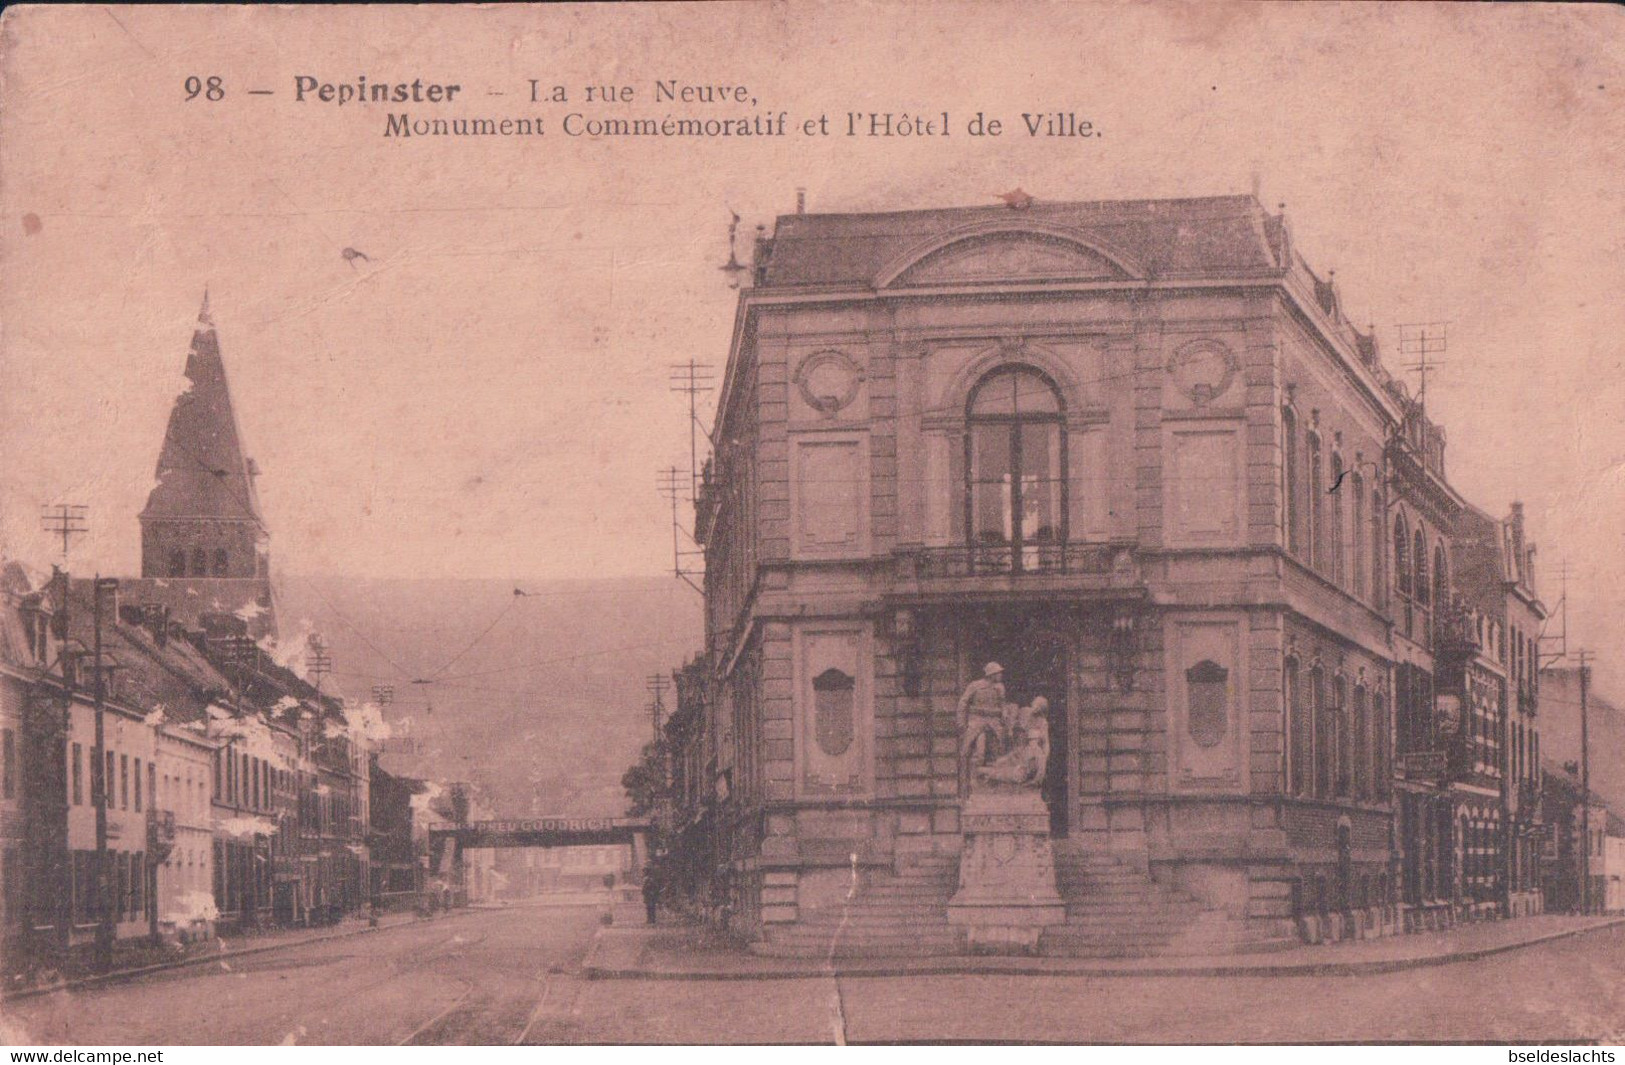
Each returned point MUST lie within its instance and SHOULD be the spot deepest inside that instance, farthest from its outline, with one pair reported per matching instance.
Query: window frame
(1016, 421)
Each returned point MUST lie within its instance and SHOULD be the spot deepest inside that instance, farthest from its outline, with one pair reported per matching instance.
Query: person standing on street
(651, 892)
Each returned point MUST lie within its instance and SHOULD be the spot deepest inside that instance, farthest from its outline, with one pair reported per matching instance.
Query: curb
(1022, 967)
(101, 979)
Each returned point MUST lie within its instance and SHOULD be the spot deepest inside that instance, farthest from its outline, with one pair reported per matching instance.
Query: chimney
(801, 201)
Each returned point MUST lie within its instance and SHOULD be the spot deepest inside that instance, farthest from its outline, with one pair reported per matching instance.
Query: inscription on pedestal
(1007, 893)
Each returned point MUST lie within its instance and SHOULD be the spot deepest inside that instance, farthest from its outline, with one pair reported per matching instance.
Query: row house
(24, 647)
(1576, 842)
(196, 774)
(146, 775)
(396, 842)
(690, 823)
(1135, 453)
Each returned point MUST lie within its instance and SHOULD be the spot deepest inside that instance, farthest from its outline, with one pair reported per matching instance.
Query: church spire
(204, 499)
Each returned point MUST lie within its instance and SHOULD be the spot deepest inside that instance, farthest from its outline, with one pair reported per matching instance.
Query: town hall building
(1134, 454)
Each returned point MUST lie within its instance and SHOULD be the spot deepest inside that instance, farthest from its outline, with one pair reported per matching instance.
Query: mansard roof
(202, 472)
(1224, 235)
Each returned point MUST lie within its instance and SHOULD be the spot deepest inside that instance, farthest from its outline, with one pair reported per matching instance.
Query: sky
(486, 393)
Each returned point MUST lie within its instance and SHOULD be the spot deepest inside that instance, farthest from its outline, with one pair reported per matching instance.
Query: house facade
(1135, 454)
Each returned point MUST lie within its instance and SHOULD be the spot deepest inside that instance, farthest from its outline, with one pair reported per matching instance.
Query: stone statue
(1024, 764)
(983, 718)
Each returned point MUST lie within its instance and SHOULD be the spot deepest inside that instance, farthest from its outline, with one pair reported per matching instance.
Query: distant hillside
(540, 699)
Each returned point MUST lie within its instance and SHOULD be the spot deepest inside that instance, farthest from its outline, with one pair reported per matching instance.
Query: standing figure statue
(984, 720)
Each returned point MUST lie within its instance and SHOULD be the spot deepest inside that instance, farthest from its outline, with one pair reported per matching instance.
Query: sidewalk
(692, 953)
(223, 948)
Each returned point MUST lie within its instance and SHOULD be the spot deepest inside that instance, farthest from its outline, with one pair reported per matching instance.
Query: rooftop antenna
(1559, 640)
(693, 379)
(670, 485)
(1422, 340)
(66, 520)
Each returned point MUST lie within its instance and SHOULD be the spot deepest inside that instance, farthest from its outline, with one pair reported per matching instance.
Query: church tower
(202, 520)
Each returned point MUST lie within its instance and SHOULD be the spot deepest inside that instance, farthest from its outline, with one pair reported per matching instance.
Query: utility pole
(105, 929)
(657, 686)
(67, 521)
(1585, 783)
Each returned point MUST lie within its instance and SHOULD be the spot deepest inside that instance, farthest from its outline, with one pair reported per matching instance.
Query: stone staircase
(1115, 910)
(901, 912)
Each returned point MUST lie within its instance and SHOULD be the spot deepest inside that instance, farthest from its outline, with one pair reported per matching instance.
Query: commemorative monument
(1007, 894)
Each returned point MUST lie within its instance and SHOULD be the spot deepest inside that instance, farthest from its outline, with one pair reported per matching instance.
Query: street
(512, 975)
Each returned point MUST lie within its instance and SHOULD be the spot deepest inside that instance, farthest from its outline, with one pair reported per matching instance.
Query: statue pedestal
(1007, 893)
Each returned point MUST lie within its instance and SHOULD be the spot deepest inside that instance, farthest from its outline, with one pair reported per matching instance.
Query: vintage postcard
(815, 523)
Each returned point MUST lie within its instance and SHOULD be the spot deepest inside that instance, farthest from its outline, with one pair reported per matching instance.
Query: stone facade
(1131, 451)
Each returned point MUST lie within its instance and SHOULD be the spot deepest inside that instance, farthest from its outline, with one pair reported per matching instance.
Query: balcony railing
(1006, 560)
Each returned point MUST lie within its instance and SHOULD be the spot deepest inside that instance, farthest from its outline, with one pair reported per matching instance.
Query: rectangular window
(138, 785)
(217, 758)
(8, 763)
(1379, 713)
(11, 894)
(1321, 711)
(139, 861)
(1302, 749)
(152, 785)
(1362, 745)
(78, 774)
(109, 774)
(124, 781)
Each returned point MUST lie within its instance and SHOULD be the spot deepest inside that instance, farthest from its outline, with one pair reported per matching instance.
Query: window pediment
(1008, 256)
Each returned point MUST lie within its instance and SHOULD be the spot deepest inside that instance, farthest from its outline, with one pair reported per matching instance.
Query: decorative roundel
(1203, 370)
(828, 381)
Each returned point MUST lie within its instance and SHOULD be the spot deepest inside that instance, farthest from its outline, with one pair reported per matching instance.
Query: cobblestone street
(514, 975)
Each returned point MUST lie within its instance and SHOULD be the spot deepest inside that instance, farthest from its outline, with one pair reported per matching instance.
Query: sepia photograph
(814, 523)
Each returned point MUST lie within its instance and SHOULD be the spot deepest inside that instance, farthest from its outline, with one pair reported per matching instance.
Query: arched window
(177, 562)
(1362, 743)
(1357, 550)
(1291, 510)
(1441, 576)
(220, 559)
(1402, 556)
(1342, 741)
(1338, 568)
(1300, 754)
(1016, 471)
(1419, 551)
(1379, 544)
(200, 562)
(1325, 744)
(1316, 549)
